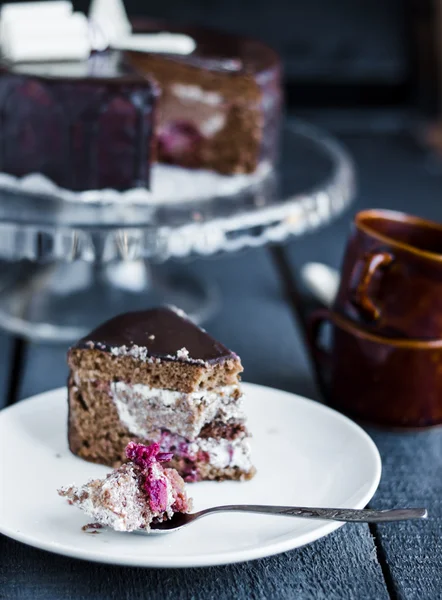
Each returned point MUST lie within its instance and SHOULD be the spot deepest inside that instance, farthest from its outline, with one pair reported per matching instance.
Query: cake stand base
(61, 302)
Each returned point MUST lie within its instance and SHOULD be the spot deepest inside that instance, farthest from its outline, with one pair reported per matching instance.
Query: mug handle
(360, 283)
(321, 358)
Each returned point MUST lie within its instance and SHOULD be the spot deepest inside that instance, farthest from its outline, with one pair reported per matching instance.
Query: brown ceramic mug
(391, 279)
(385, 381)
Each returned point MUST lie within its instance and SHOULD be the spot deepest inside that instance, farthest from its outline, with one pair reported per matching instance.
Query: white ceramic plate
(305, 454)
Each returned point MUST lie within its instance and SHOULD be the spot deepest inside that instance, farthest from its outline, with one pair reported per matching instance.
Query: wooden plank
(343, 565)
(6, 354)
(412, 476)
(45, 369)
(392, 174)
(256, 322)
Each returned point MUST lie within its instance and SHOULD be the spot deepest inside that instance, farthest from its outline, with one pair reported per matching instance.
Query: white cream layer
(222, 453)
(145, 411)
(195, 93)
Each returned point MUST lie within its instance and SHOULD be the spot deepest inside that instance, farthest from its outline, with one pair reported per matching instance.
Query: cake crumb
(91, 528)
(151, 337)
(183, 353)
(134, 495)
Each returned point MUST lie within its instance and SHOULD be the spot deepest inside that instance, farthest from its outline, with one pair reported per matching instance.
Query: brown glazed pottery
(386, 381)
(391, 279)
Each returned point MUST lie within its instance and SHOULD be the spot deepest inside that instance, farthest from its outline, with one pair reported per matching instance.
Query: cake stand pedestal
(63, 301)
(68, 263)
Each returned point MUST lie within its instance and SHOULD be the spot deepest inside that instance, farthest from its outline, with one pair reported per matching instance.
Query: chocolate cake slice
(138, 493)
(154, 376)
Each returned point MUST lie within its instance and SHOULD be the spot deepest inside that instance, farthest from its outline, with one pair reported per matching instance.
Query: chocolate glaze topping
(215, 51)
(163, 332)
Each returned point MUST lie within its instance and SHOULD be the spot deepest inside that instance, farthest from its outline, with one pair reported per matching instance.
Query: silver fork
(346, 515)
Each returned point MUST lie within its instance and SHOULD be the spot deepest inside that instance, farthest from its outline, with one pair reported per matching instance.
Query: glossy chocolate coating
(163, 332)
(84, 125)
(217, 51)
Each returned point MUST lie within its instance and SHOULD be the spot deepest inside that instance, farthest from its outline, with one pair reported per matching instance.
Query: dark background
(335, 52)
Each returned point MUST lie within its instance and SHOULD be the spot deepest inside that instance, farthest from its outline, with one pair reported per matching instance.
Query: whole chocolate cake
(154, 376)
(102, 122)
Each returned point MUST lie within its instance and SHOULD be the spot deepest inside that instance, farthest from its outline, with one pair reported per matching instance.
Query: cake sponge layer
(166, 374)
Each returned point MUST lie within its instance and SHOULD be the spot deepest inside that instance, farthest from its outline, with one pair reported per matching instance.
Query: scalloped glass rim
(313, 182)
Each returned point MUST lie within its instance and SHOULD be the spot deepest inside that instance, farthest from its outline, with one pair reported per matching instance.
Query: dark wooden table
(259, 320)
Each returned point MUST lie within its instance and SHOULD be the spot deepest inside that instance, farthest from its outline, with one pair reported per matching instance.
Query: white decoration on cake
(52, 31)
(162, 42)
(40, 31)
(35, 10)
(66, 39)
(110, 17)
(96, 66)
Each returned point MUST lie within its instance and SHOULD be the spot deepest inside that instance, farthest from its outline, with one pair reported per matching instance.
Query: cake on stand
(177, 146)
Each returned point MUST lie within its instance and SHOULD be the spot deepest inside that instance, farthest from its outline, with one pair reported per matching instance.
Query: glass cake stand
(69, 261)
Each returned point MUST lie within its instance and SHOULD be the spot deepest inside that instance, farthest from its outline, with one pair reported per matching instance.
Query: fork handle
(345, 515)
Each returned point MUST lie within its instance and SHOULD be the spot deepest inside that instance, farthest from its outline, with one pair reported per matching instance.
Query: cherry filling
(145, 457)
(156, 489)
(178, 139)
(187, 458)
